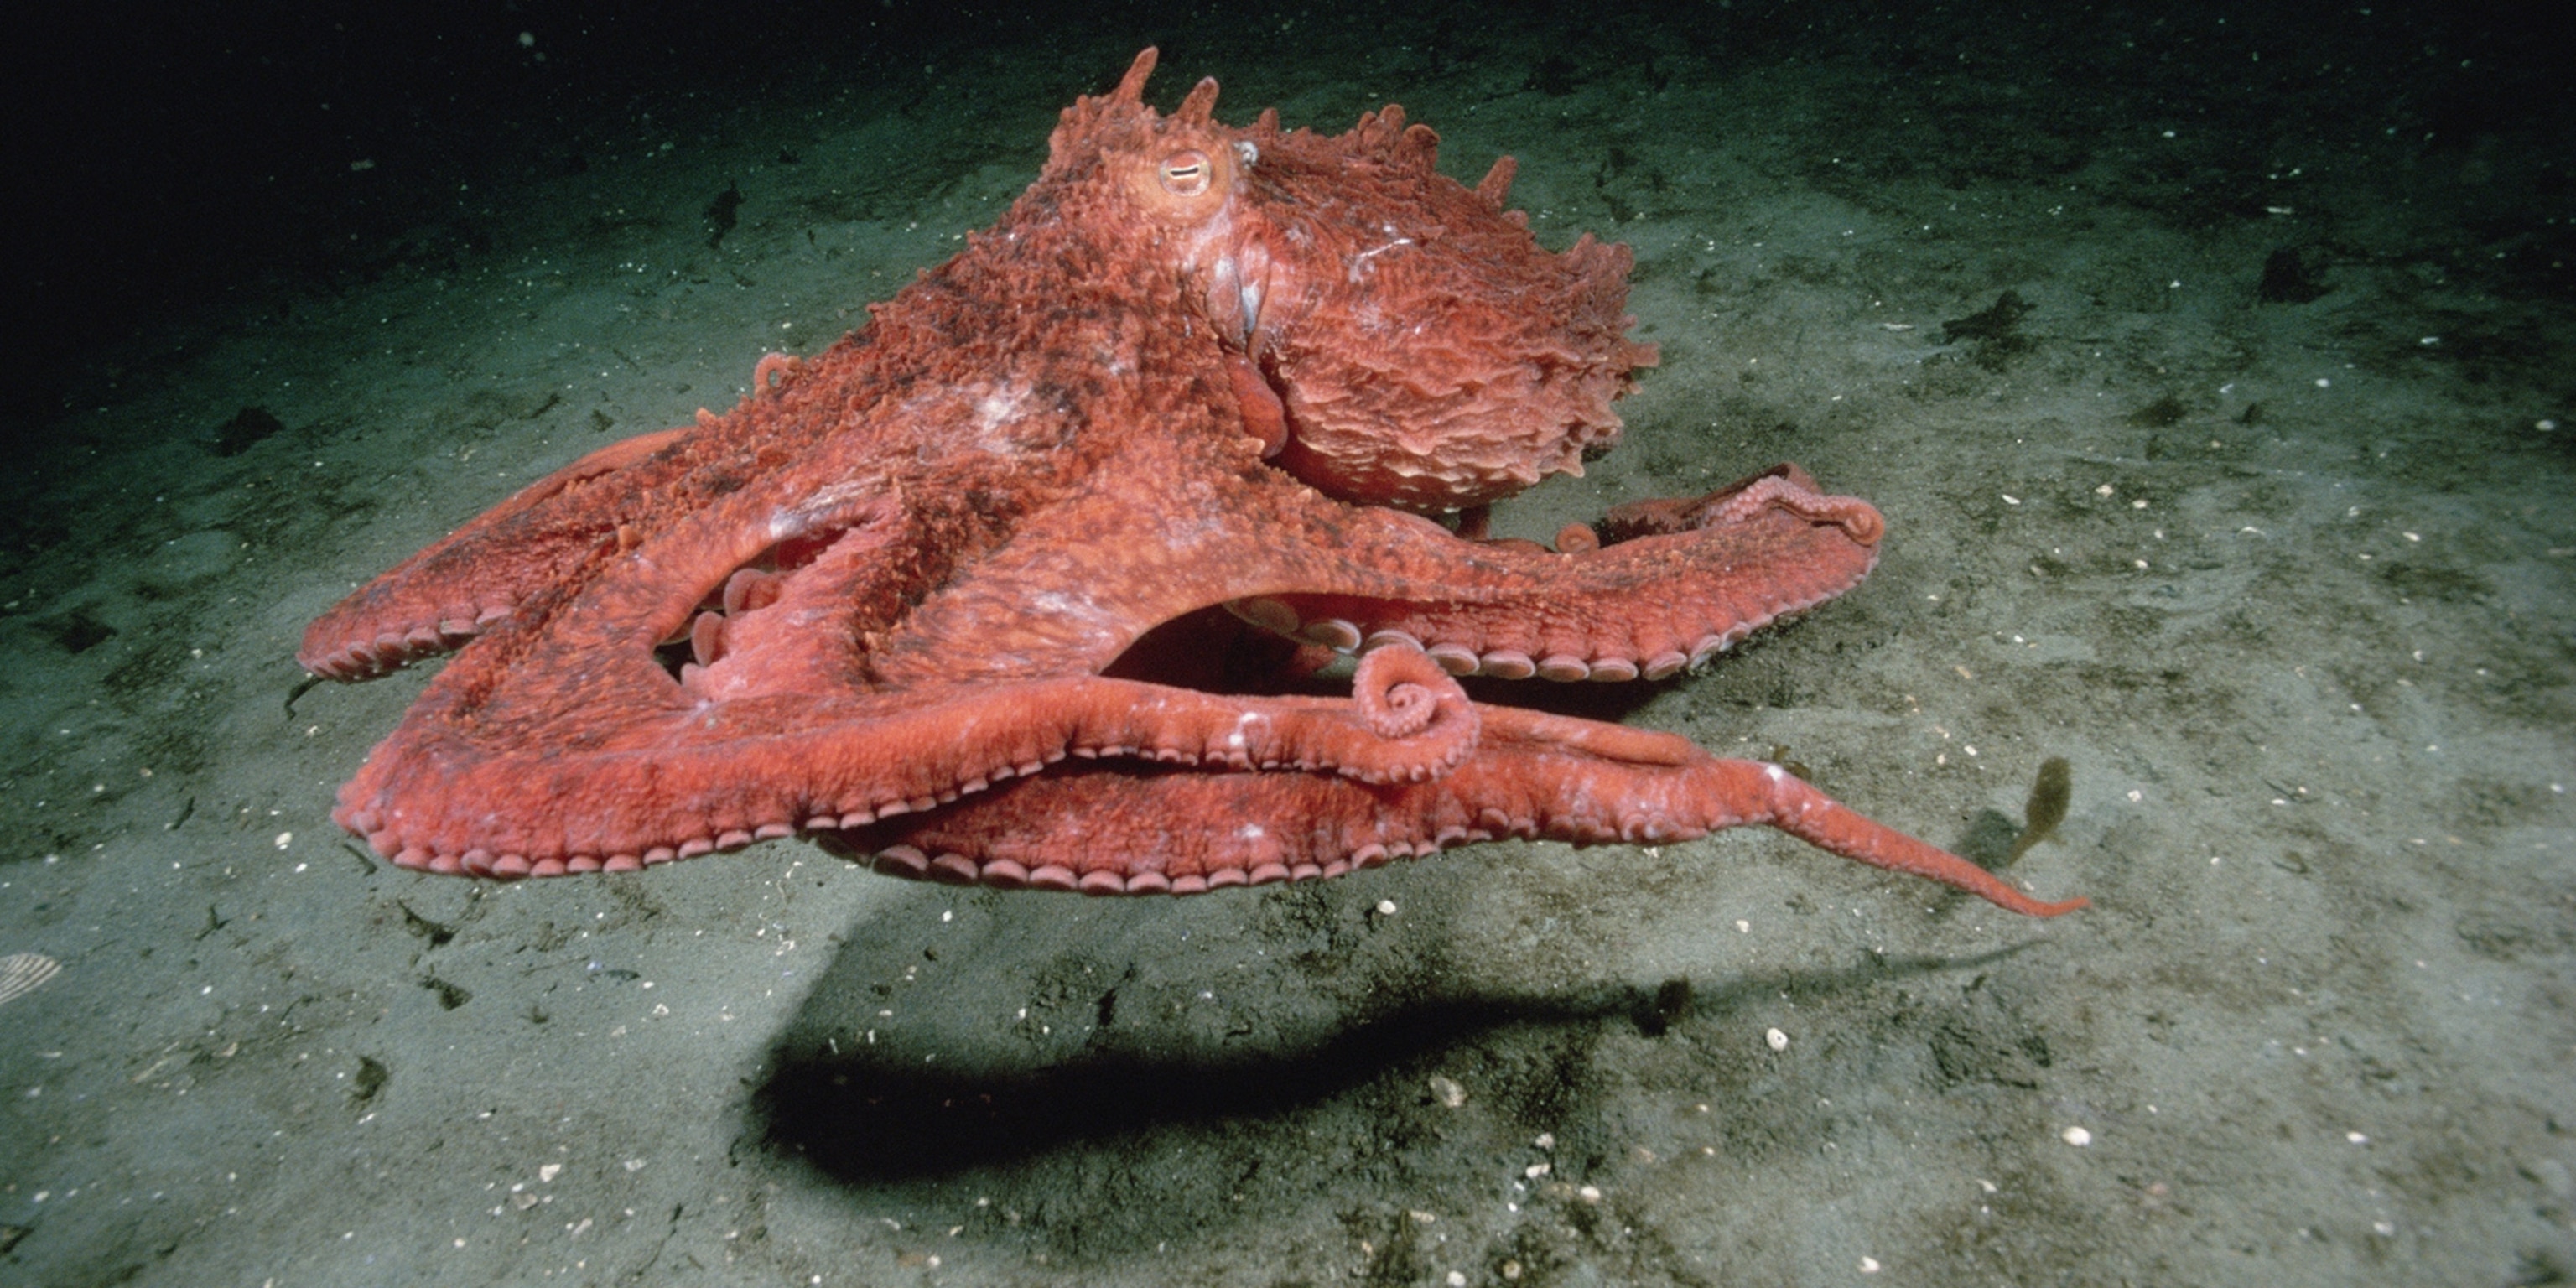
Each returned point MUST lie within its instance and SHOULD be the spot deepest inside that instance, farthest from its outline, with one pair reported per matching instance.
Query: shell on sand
(23, 973)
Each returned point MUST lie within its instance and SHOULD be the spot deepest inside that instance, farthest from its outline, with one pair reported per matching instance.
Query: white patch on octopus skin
(1083, 615)
(998, 414)
(817, 508)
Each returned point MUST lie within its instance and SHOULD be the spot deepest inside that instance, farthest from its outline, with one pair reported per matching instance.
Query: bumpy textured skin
(1004, 586)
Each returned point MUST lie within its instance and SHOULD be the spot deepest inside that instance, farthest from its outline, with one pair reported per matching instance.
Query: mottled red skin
(993, 587)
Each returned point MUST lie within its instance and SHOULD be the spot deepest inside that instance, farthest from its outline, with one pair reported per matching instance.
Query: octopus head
(1416, 344)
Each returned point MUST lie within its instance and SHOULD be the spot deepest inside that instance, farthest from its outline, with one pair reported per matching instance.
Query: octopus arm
(482, 572)
(447, 793)
(1687, 578)
(1682, 580)
(1125, 829)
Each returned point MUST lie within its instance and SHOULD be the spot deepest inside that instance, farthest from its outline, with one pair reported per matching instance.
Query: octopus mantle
(1030, 580)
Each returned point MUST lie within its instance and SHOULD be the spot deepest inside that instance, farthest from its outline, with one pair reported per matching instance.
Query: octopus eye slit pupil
(1186, 174)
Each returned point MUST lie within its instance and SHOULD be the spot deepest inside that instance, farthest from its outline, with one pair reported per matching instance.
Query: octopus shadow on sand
(1145, 1116)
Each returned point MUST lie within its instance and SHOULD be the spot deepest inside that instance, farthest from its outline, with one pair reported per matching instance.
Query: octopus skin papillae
(1020, 582)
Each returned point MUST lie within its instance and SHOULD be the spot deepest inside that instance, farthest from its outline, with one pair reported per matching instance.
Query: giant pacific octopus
(1030, 580)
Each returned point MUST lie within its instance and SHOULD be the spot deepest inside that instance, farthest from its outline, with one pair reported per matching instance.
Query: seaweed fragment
(1672, 1000)
(371, 1078)
(2286, 279)
(1994, 333)
(77, 633)
(1555, 76)
(720, 213)
(247, 427)
(420, 927)
(2160, 413)
(2046, 807)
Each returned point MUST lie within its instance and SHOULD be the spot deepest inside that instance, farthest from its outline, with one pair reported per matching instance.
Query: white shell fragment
(24, 973)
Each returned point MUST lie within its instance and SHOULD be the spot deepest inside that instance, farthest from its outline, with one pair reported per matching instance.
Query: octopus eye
(1186, 174)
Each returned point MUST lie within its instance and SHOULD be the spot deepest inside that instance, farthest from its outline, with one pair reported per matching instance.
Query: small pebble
(1779, 1041)
(2076, 1136)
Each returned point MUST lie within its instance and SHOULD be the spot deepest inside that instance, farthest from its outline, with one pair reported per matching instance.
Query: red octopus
(1008, 586)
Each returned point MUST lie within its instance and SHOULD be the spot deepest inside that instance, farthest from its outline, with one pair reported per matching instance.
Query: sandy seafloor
(2289, 581)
